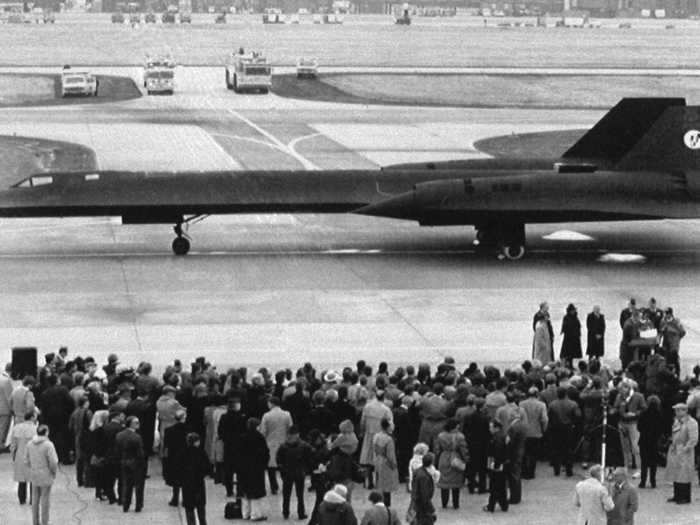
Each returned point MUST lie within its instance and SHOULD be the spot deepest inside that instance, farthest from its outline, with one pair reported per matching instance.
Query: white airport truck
(248, 72)
(159, 75)
(77, 83)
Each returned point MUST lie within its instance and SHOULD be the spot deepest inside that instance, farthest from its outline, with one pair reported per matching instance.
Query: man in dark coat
(498, 465)
(404, 436)
(320, 416)
(132, 462)
(56, 406)
(564, 414)
(476, 430)
(624, 497)
(111, 468)
(144, 408)
(195, 467)
(174, 448)
(516, 452)
(595, 323)
(253, 467)
(232, 427)
(298, 405)
(294, 462)
(422, 492)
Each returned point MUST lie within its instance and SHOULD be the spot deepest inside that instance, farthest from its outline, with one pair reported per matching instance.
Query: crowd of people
(428, 429)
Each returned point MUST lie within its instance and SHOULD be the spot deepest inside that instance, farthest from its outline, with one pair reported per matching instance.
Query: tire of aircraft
(514, 252)
(181, 246)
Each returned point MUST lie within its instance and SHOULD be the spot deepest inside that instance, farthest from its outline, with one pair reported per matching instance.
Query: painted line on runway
(302, 160)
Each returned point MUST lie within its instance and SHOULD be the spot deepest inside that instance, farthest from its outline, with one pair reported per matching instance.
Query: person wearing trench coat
(174, 447)
(571, 330)
(680, 461)
(195, 467)
(385, 463)
(21, 435)
(450, 444)
(253, 466)
(595, 323)
(542, 343)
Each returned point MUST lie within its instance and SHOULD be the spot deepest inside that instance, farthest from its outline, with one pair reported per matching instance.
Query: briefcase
(233, 510)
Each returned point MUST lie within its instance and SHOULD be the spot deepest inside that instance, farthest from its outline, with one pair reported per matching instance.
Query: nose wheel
(181, 243)
(181, 246)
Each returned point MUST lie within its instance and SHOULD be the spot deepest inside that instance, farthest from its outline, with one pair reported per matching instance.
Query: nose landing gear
(181, 243)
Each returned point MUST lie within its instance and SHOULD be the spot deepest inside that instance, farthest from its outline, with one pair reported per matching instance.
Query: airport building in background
(594, 8)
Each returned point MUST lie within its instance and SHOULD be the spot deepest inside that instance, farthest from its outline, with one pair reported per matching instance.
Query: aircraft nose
(401, 206)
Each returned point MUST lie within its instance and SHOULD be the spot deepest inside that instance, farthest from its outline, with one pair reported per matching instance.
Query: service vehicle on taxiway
(159, 75)
(78, 83)
(248, 72)
(307, 67)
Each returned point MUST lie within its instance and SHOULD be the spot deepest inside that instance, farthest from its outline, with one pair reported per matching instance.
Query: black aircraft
(641, 161)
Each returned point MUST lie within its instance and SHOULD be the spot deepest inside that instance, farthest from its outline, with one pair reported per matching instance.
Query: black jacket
(194, 468)
(232, 427)
(174, 447)
(294, 459)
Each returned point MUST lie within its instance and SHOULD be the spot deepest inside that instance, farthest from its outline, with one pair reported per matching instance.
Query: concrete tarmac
(547, 500)
(277, 290)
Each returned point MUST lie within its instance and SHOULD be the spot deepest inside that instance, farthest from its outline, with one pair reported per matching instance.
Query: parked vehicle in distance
(159, 75)
(220, 18)
(248, 72)
(118, 17)
(78, 83)
(307, 67)
(185, 17)
(150, 18)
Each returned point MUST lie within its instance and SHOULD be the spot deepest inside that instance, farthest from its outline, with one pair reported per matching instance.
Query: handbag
(97, 461)
(456, 462)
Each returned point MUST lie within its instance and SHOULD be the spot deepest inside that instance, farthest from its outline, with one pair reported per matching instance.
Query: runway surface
(277, 290)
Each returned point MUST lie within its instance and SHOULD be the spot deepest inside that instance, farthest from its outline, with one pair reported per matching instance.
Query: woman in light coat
(449, 445)
(21, 435)
(542, 349)
(370, 424)
(680, 461)
(385, 464)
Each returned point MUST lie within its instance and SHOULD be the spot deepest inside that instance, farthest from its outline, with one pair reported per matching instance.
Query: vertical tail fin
(621, 129)
(672, 143)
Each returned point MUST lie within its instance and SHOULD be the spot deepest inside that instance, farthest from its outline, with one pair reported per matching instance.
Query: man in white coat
(593, 499)
(42, 460)
(274, 425)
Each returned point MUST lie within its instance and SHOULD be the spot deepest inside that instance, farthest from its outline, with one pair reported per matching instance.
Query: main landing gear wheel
(513, 253)
(181, 246)
(508, 239)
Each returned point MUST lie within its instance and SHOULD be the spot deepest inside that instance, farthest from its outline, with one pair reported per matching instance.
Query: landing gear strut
(181, 243)
(507, 238)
